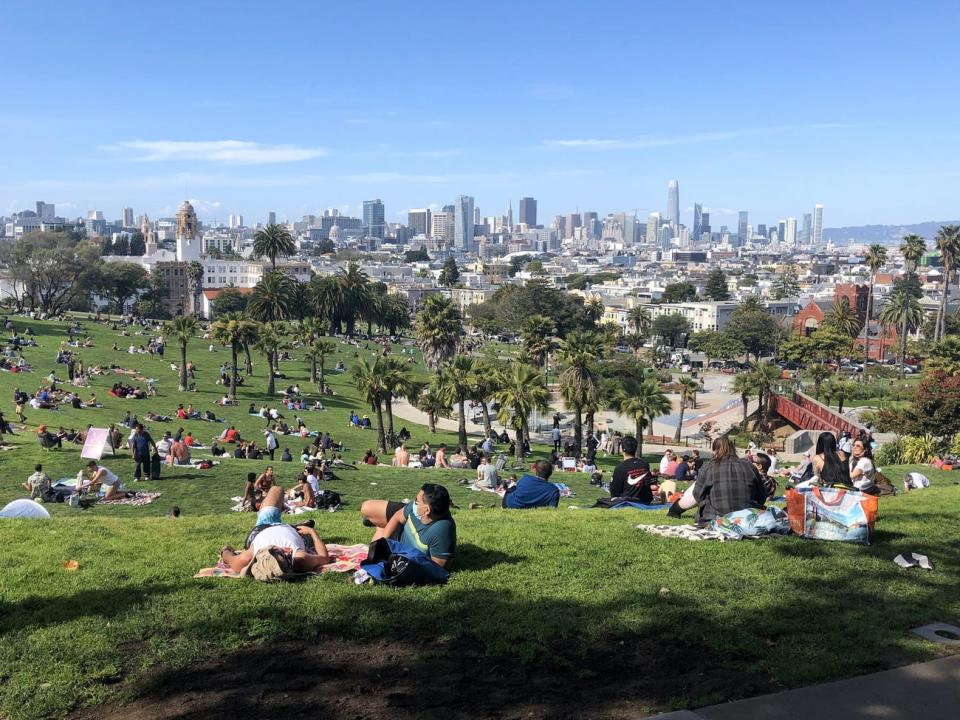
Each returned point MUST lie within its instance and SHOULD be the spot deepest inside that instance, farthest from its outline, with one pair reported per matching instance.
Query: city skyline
(292, 129)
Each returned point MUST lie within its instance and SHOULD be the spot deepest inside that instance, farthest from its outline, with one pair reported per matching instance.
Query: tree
(948, 243)
(368, 377)
(818, 373)
(756, 329)
(121, 246)
(671, 328)
(228, 300)
(536, 338)
(398, 382)
(518, 262)
(430, 401)
(106, 246)
(137, 246)
(273, 297)
(580, 381)
(687, 388)
(901, 309)
(122, 281)
(521, 389)
(455, 381)
(828, 344)
(50, 271)
(229, 330)
(716, 345)
(744, 384)
(153, 303)
(912, 247)
(196, 273)
(512, 304)
(355, 294)
(182, 330)
(876, 257)
(679, 292)
(439, 329)
(766, 375)
(326, 247)
(936, 406)
(944, 357)
(482, 386)
(274, 241)
(327, 300)
(269, 340)
(786, 285)
(412, 256)
(640, 320)
(842, 318)
(318, 351)
(534, 266)
(450, 273)
(643, 402)
(716, 288)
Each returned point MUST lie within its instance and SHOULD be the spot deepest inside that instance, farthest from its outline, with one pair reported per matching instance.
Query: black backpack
(328, 499)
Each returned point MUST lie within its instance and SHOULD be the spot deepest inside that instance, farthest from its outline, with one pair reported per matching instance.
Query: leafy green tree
(643, 402)
(819, 373)
(876, 257)
(153, 303)
(137, 246)
(326, 247)
(580, 381)
(439, 330)
(948, 243)
(106, 246)
(518, 262)
(842, 318)
(122, 281)
(421, 255)
(902, 310)
(828, 344)
(121, 246)
(272, 242)
(455, 382)
(512, 304)
(228, 300)
(944, 357)
(450, 273)
(182, 330)
(716, 288)
(368, 377)
(786, 284)
(679, 292)
(716, 345)
(521, 389)
(273, 297)
(756, 329)
(687, 388)
(534, 266)
(671, 328)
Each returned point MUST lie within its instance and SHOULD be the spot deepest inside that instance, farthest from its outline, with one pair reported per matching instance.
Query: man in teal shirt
(425, 523)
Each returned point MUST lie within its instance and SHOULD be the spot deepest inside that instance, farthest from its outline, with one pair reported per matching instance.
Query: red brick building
(883, 340)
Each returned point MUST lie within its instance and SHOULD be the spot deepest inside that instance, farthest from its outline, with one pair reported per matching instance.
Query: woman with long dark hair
(829, 463)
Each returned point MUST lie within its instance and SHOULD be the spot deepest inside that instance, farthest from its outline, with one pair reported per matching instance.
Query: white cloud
(235, 152)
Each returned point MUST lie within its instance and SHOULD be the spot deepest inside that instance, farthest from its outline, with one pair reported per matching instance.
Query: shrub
(890, 453)
(955, 445)
(920, 449)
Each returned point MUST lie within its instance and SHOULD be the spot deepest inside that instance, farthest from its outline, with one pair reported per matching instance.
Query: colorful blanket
(140, 498)
(684, 532)
(346, 558)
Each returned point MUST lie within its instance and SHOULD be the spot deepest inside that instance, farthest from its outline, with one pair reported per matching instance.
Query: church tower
(149, 236)
(188, 239)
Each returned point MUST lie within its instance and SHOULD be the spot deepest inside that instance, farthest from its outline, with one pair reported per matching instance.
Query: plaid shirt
(726, 486)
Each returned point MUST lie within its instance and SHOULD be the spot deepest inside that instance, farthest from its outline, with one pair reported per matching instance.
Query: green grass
(789, 610)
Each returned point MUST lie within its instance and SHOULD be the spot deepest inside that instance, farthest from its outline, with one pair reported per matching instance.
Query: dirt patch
(332, 678)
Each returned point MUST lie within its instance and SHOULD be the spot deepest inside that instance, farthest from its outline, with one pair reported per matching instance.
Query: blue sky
(295, 107)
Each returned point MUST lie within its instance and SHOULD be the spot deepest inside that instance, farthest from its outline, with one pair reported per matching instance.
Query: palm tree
(687, 389)
(318, 351)
(395, 313)
(306, 332)
(274, 240)
(644, 402)
(269, 339)
(948, 243)
(398, 382)
(430, 401)
(369, 380)
(482, 387)
(455, 382)
(327, 300)
(229, 330)
(196, 272)
(818, 373)
(580, 379)
(876, 257)
(912, 247)
(273, 298)
(521, 390)
(842, 318)
(744, 384)
(640, 320)
(766, 375)
(182, 329)
(439, 329)
(535, 338)
(594, 309)
(248, 336)
(902, 309)
(356, 294)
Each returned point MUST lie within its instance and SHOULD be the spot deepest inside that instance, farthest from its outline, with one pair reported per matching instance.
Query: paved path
(924, 691)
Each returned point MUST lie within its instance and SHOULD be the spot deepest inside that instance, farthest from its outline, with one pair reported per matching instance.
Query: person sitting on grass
(535, 490)
(230, 435)
(273, 533)
(102, 480)
(370, 458)
(285, 456)
(47, 438)
(302, 494)
(761, 461)
(425, 523)
(401, 456)
(487, 474)
(632, 479)
(38, 484)
(440, 459)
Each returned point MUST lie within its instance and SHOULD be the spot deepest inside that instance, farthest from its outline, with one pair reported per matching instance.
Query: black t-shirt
(629, 481)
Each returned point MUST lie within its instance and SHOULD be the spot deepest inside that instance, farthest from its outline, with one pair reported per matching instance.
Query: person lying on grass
(272, 532)
(425, 523)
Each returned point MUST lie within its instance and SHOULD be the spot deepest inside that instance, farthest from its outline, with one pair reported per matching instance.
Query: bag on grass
(752, 523)
(832, 514)
(392, 563)
(328, 499)
(155, 464)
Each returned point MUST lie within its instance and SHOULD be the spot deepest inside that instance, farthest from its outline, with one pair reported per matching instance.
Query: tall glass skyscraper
(463, 223)
(743, 228)
(697, 221)
(528, 211)
(373, 218)
(817, 224)
(673, 205)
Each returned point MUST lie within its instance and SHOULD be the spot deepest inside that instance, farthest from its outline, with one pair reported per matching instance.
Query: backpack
(328, 500)
(390, 562)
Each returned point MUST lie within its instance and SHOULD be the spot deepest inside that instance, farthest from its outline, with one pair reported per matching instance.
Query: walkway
(923, 691)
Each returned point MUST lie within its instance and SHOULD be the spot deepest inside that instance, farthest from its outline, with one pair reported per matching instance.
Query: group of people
(843, 462)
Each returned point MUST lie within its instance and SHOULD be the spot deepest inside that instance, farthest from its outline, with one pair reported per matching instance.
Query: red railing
(807, 414)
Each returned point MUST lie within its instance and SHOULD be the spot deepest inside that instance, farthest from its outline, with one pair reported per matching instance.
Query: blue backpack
(392, 563)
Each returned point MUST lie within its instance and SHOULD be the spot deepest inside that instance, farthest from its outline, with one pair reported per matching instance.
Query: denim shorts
(269, 516)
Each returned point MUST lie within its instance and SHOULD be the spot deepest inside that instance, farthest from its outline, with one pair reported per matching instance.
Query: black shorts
(392, 508)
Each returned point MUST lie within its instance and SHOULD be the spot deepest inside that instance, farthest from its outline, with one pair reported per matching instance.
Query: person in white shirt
(915, 481)
(665, 461)
(163, 447)
(772, 454)
(846, 444)
(862, 472)
(102, 479)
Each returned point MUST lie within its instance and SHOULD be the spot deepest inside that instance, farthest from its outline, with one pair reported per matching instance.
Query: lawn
(561, 613)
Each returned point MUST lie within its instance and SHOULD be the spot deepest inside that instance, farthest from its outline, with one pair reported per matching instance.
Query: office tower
(817, 224)
(653, 228)
(673, 205)
(418, 220)
(271, 218)
(781, 230)
(510, 217)
(666, 235)
(571, 225)
(762, 230)
(743, 233)
(790, 232)
(591, 223)
(705, 223)
(45, 210)
(126, 217)
(528, 211)
(697, 221)
(463, 223)
(235, 221)
(373, 218)
(440, 225)
(806, 233)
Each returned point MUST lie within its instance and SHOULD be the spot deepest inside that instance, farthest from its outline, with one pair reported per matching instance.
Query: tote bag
(832, 514)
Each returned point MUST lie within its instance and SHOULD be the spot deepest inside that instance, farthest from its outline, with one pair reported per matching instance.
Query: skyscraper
(742, 229)
(528, 211)
(271, 218)
(781, 231)
(463, 223)
(45, 210)
(790, 233)
(697, 221)
(807, 233)
(418, 220)
(817, 224)
(573, 222)
(373, 218)
(235, 221)
(705, 223)
(673, 205)
(653, 228)
(127, 217)
(510, 217)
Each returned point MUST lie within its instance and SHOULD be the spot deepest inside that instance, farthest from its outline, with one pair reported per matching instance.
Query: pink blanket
(346, 558)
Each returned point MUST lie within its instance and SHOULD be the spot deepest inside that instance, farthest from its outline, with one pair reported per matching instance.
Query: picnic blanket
(138, 499)
(623, 504)
(346, 558)
(684, 532)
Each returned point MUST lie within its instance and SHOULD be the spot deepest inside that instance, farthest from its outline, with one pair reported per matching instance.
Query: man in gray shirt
(487, 474)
